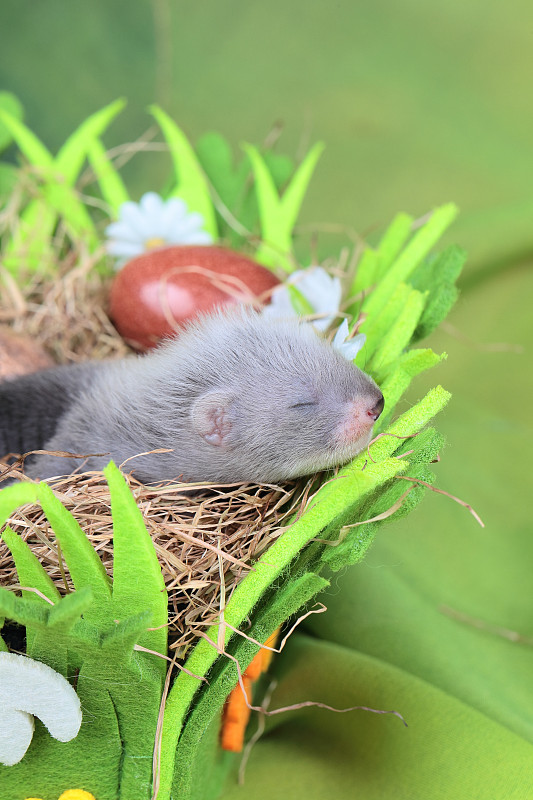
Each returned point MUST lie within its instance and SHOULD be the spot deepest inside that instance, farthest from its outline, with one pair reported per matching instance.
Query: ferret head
(273, 400)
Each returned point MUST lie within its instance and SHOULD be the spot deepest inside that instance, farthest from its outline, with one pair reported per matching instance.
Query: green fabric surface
(418, 103)
(449, 750)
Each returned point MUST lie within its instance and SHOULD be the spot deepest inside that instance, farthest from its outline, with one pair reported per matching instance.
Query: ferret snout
(358, 420)
(376, 410)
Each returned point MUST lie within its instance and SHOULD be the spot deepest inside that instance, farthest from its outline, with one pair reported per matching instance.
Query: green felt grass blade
(21, 610)
(70, 608)
(352, 541)
(392, 242)
(376, 328)
(111, 185)
(191, 773)
(68, 205)
(10, 103)
(399, 379)
(327, 504)
(26, 141)
(30, 246)
(399, 335)
(278, 215)
(12, 497)
(30, 571)
(417, 249)
(138, 583)
(8, 180)
(366, 273)
(71, 156)
(84, 564)
(375, 263)
(190, 180)
(412, 421)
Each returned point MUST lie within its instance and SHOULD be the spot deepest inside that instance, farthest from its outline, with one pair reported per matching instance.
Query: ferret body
(237, 397)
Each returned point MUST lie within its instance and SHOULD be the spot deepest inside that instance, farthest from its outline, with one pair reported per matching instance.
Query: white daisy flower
(317, 294)
(348, 347)
(154, 222)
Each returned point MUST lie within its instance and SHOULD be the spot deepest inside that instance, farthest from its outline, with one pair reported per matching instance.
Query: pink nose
(374, 412)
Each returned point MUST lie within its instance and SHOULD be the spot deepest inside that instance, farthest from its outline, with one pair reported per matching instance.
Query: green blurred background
(418, 103)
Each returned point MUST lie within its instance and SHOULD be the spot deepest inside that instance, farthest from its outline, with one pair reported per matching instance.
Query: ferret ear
(211, 417)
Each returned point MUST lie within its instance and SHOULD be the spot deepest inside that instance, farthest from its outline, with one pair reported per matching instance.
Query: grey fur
(237, 397)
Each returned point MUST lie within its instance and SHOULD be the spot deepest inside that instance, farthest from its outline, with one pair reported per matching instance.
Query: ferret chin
(237, 397)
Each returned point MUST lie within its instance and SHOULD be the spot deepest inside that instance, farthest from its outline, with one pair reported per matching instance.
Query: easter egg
(160, 291)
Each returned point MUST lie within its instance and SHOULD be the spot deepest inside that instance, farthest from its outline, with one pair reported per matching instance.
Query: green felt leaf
(278, 215)
(3, 646)
(111, 185)
(10, 103)
(438, 275)
(190, 180)
(84, 564)
(64, 613)
(419, 246)
(442, 268)
(72, 154)
(215, 155)
(138, 583)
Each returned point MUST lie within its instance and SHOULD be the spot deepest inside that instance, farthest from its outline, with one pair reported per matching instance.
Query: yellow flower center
(71, 794)
(157, 241)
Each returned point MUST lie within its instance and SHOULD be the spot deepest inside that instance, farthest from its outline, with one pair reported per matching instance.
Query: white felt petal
(280, 304)
(152, 204)
(16, 733)
(125, 249)
(28, 687)
(341, 334)
(350, 348)
(123, 231)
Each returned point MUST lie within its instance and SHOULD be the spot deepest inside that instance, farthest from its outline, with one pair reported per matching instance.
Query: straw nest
(206, 541)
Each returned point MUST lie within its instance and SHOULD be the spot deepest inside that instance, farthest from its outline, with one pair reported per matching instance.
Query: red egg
(159, 291)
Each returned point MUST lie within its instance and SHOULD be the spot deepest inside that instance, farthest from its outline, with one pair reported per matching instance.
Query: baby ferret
(237, 397)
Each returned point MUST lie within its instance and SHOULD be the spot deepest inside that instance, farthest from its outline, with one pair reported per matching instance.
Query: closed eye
(304, 404)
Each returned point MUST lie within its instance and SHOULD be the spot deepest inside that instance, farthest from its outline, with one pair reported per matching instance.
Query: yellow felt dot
(77, 794)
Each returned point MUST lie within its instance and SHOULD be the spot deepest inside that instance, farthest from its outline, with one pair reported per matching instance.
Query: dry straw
(206, 537)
